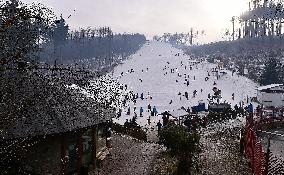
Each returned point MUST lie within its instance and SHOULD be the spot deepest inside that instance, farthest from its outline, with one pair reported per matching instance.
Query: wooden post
(94, 146)
(80, 152)
(267, 157)
(63, 155)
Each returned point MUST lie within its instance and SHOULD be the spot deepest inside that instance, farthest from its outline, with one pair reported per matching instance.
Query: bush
(181, 144)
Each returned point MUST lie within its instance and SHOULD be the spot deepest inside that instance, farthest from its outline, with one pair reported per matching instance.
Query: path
(129, 157)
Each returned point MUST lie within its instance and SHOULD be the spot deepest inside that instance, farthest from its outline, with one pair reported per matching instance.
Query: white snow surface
(162, 85)
(268, 86)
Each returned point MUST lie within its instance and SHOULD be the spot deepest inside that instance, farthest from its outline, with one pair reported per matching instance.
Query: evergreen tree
(60, 32)
(271, 73)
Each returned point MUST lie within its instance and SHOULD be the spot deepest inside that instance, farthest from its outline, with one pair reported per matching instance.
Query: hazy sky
(150, 17)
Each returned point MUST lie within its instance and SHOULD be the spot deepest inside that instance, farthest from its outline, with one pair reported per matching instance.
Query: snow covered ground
(152, 66)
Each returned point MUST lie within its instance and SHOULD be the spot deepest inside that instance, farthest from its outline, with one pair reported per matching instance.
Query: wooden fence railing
(261, 162)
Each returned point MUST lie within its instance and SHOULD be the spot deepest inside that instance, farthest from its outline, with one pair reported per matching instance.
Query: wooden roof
(32, 105)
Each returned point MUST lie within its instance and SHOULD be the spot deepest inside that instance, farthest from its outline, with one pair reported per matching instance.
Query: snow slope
(164, 86)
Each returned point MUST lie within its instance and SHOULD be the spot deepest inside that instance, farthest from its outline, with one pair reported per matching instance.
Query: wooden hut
(48, 128)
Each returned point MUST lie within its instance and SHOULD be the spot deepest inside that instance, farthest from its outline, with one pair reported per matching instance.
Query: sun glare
(226, 8)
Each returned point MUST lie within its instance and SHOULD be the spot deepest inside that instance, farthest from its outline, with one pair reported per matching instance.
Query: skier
(142, 96)
(135, 116)
(233, 96)
(149, 107)
(141, 111)
(186, 95)
(194, 93)
(214, 83)
(188, 110)
(171, 102)
(201, 90)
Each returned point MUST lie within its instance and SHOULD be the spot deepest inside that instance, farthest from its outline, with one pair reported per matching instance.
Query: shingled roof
(32, 105)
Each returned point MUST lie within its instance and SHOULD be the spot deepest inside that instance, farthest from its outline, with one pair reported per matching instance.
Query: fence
(254, 152)
(261, 163)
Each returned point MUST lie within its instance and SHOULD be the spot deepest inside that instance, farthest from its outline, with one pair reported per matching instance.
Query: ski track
(164, 88)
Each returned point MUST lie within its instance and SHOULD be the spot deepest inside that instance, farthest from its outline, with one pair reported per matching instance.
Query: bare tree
(22, 29)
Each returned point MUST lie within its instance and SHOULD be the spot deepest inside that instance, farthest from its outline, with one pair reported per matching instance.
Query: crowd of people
(168, 69)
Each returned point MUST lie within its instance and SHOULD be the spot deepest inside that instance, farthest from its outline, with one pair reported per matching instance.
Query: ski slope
(165, 86)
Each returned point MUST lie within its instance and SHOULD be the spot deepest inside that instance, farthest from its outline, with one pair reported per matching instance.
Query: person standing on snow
(155, 111)
(141, 111)
(159, 125)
